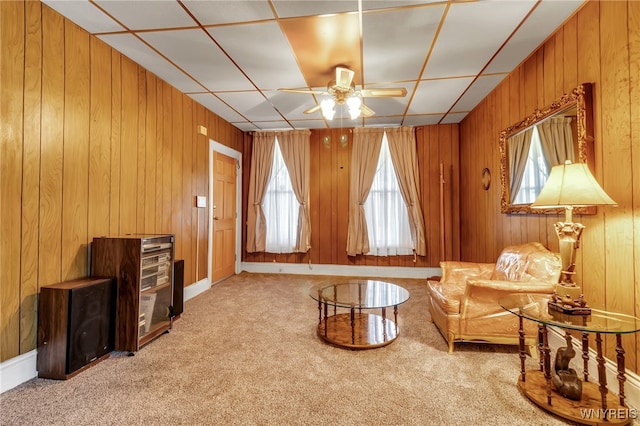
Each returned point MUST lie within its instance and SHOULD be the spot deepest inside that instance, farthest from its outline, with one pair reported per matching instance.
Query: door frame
(229, 152)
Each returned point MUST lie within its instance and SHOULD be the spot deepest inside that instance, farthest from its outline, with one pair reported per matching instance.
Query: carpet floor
(246, 352)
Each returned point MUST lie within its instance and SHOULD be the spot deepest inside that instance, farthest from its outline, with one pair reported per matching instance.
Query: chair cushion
(527, 262)
(446, 295)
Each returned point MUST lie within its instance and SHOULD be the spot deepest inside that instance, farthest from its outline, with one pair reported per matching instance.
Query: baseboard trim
(196, 288)
(631, 385)
(339, 270)
(18, 370)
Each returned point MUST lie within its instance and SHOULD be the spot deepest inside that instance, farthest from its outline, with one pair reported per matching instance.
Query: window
(536, 172)
(386, 212)
(280, 208)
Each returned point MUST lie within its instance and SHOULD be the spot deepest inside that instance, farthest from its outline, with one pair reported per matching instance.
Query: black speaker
(75, 326)
(178, 287)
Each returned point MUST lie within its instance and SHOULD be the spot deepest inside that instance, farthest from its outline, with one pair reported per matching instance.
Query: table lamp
(570, 185)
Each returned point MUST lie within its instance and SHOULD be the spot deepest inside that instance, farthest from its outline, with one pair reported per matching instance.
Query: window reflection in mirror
(534, 151)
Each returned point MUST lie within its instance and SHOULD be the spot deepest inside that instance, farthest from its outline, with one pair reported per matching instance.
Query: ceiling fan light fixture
(327, 105)
(354, 103)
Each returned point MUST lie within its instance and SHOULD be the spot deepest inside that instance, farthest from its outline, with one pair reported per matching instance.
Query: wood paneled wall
(601, 45)
(92, 144)
(329, 199)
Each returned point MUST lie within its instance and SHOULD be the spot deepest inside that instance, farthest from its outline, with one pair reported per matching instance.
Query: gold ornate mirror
(528, 149)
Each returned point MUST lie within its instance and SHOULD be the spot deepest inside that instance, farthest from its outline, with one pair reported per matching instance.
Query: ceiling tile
(437, 96)
(396, 42)
(214, 104)
(246, 127)
(453, 117)
(292, 105)
(478, 90)
(253, 105)
(383, 121)
(194, 51)
(309, 124)
(384, 4)
(422, 120)
(272, 125)
(229, 11)
(85, 15)
(289, 8)
(263, 52)
(147, 14)
(135, 49)
(542, 22)
(459, 37)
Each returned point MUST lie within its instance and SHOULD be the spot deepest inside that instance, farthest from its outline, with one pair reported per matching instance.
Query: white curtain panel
(280, 208)
(385, 211)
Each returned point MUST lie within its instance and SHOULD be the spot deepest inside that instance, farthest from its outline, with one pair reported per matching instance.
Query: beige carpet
(246, 353)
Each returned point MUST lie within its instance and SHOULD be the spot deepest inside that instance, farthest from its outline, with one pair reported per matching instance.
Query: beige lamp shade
(571, 185)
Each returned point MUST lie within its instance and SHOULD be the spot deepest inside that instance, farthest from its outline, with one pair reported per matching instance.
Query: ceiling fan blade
(312, 109)
(384, 93)
(344, 77)
(366, 111)
(311, 92)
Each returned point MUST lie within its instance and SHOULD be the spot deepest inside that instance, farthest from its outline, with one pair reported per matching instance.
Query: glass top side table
(595, 399)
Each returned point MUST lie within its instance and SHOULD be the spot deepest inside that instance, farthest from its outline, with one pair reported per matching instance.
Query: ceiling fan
(342, 90)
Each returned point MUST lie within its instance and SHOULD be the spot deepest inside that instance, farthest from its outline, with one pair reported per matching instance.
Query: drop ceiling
(234, 56)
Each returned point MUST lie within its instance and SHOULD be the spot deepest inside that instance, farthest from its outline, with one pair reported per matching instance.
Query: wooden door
(224, 216)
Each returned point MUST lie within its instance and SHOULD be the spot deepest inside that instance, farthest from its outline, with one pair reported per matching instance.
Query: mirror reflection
(528, 149)
(532, 152)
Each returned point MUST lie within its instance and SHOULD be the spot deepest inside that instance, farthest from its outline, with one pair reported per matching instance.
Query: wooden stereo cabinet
(143, 268)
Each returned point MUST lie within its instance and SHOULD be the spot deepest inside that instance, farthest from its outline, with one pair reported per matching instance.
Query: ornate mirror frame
(581, 98)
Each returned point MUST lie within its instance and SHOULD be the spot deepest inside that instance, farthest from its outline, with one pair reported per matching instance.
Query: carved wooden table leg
(353, 325)
(547, 361)
(384, 324)
(326, 315)
(585, 355)
(523, 355)
(540, 348)
(621, 376)
(602, 375)
(395, 317)
(319, 311)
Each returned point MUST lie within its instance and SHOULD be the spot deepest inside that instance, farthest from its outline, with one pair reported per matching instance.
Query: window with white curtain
(280, 208)
(536, 172)
(385, 210)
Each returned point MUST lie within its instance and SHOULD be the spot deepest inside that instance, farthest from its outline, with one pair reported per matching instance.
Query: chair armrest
(459, 272)
(481, 296)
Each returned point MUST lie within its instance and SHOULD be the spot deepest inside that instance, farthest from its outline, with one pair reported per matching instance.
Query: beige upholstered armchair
(464, 303)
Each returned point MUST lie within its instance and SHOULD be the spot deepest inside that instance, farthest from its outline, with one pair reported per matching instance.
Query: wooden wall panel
(598, 45)
(141, 150)
(116, 145)
(50, 240)
(11, 152)
(329, 199)
(150, 153)
(31, 177)
(617, 180)
(75, 166)
(99, 139)
(85, 152)
(128, 147)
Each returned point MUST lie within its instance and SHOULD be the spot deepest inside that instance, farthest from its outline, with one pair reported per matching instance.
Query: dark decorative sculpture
(565, 379)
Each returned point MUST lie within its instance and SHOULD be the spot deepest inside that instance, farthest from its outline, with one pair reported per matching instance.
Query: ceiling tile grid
(234, 56)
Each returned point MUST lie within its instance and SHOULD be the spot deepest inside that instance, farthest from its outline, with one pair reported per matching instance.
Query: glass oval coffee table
(356, 329)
